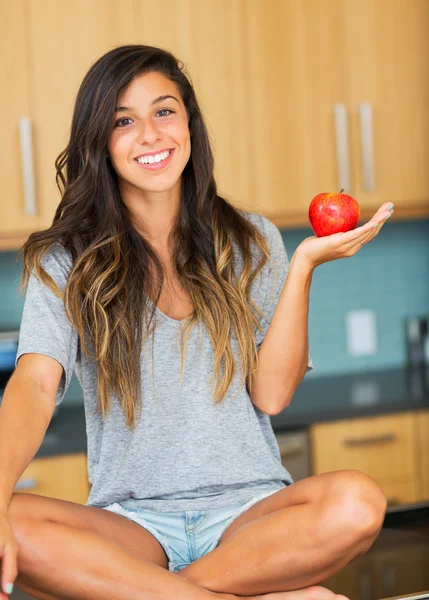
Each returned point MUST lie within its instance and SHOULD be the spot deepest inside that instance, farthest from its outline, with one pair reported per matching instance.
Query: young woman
(174, 309)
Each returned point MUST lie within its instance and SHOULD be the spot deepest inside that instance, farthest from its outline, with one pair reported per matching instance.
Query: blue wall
(389, 276)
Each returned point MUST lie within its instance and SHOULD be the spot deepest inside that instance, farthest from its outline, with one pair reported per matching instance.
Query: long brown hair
(115, 271)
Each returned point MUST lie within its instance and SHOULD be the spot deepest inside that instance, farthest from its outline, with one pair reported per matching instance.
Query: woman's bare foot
(314, 592)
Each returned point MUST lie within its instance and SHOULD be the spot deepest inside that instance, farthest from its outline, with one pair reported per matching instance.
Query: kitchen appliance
(417, 350)
(294, 449)
(417, 340)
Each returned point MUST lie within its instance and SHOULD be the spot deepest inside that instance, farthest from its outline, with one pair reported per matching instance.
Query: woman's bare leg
(59, 562)
(62, 562)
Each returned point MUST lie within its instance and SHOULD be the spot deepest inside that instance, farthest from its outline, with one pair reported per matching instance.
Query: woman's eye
(120, 121)
(162, 110)
(166, 110)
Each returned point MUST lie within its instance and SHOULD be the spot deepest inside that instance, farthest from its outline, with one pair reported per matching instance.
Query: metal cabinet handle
(342, 143)
(367, 146)
(367, 441)
(27, 166)
(26, 484)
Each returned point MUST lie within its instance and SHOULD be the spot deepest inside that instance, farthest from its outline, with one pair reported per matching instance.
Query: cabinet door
(295, 75)
(423, 452)
(14, 104)
(66, 38)
(387, 50)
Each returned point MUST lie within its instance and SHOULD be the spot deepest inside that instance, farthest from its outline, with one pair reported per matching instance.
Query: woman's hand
(318, 250)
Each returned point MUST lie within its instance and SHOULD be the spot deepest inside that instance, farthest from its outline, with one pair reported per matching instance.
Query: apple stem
(342, 190)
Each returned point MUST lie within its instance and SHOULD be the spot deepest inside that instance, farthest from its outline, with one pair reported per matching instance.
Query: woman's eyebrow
(159, 99)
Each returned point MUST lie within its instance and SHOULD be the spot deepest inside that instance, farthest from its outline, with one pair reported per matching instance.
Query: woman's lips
(156, 166)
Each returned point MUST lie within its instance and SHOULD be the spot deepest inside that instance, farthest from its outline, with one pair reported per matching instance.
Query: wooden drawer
(401, 491)
(383, 447)
(64, 477)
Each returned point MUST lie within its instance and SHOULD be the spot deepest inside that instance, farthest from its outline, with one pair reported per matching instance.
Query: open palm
(318, 250)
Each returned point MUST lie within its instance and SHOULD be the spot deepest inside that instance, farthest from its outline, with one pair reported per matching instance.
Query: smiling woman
(141, 250)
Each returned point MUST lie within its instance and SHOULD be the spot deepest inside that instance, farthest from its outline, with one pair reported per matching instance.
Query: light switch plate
(361, 332)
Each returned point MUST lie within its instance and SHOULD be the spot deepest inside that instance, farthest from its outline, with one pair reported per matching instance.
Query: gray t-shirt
(187, 452)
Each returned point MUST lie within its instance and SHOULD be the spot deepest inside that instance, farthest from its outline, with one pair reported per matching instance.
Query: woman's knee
(356, 502)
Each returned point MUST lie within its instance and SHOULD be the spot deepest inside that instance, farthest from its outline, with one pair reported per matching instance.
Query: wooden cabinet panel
(387, 51)
(58, 65)
(423, 452)
(383, 447)
(14, 104)
(64, 477)
(296, 73)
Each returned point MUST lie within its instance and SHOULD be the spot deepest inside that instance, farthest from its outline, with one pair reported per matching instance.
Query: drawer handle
(26, 484)
(392, 501)
(367, 441)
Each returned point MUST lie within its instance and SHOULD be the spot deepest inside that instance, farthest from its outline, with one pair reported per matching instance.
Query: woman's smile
(155, 166)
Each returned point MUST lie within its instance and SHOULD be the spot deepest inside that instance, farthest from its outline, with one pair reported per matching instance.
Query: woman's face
(150, 126)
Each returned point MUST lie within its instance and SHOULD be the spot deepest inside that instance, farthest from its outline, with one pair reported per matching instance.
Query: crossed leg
(294, 538)
(67, 551)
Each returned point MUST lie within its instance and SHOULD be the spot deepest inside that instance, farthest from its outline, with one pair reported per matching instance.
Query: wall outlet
(361, 332)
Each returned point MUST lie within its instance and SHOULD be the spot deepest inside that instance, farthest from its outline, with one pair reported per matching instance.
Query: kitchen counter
(361, 394)
(316, 400)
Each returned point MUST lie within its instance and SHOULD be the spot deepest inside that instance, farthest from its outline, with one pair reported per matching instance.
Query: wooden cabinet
(385, 447)
(64, 477)
(267, 76)
(44, 66)
(58, 65)
(15, 103)
(295, 74)
(396, 85)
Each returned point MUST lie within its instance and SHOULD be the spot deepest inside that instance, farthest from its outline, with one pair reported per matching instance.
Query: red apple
(331, 213)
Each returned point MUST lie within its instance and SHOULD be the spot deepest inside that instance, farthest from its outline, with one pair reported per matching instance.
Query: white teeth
(145, 160)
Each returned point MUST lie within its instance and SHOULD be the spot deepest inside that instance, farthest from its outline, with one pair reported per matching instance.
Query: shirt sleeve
(45, 328)
(274, 274)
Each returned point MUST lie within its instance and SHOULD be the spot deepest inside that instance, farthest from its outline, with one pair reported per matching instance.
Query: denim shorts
(187, 535)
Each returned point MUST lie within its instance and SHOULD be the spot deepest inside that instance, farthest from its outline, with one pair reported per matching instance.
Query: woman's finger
(365, 239)
(351, 238)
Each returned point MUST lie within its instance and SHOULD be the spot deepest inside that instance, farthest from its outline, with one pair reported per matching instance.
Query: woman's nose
(148, 132)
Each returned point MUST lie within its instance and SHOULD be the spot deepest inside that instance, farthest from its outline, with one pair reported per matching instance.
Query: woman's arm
(283, 354)
(25, 413)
